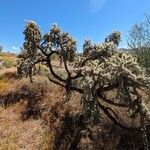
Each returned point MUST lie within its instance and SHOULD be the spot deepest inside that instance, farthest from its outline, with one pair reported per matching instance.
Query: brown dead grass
(31, 133)
(39, 133)
(17, 134)
(9, 60)
(19, 96)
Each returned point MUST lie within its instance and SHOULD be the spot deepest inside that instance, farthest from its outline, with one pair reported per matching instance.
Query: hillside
(24, 108)
(37, 116)
(18, 130)
(7, 60)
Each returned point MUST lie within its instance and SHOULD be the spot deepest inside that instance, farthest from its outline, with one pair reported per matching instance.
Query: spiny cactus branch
(51, 68)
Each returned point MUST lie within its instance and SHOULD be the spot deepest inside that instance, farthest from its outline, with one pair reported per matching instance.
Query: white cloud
(97, 5)
(15, 48)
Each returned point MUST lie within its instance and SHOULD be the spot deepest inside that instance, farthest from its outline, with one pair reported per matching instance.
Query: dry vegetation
(37, 116)
(22, 125)
(101, 102)
(7, 60)
(25, 112)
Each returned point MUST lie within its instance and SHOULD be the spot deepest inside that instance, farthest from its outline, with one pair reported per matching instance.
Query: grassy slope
(8, 60)
(14, 133)
(19, 127)
(25, 115)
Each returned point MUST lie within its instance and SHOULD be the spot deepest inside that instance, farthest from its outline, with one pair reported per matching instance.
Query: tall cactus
(100, 70)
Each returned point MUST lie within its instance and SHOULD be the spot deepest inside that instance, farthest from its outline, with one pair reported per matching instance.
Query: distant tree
(139, 42)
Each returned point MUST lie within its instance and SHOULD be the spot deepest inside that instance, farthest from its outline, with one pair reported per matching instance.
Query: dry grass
(19, 98)
(9, 60)
(17, 134)
(32, 117)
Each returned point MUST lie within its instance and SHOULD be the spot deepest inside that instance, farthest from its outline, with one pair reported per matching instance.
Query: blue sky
(83, 19)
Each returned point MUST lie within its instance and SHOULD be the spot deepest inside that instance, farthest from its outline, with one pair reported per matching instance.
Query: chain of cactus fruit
(101, 69)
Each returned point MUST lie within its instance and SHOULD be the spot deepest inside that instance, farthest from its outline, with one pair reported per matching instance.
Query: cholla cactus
(87, 47)
(100, 70)
(111, 66)
(32, 39)
(106, 66)
(61, 42)
(114, 37)
(32, 33)
(36, 47)
(29, 53)
(68, 46)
